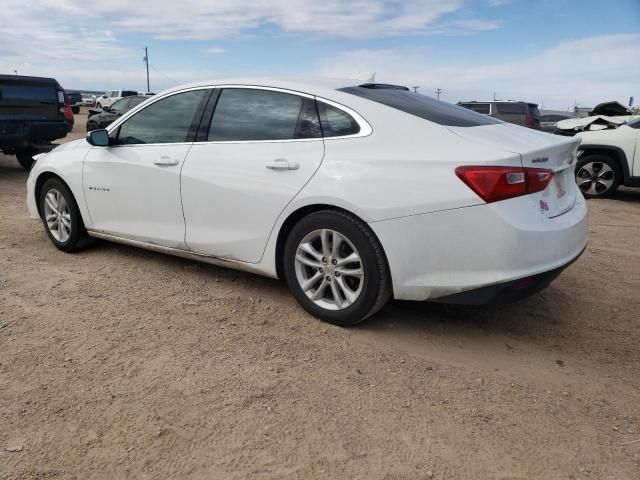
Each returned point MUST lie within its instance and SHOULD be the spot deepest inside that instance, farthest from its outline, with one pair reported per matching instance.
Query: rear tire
(597, 176)
(25, 158)
(336, 268)
(61, 217)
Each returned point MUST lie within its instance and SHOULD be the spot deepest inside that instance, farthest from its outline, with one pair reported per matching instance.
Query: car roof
(325, 87)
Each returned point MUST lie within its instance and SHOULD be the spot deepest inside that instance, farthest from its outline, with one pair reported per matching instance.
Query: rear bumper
(442, 254)
(26, 134)
(506, 292)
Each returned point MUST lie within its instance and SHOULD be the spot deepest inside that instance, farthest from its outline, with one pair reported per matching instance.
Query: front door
(132, 188)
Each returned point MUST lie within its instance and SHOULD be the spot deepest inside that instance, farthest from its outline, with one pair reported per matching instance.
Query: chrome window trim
(365, 127)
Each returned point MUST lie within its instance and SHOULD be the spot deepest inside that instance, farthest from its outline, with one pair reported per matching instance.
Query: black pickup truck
(34, 111)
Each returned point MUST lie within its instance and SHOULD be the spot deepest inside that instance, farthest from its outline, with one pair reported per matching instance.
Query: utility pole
(438, 92)
(16, 72)
(146, 60)
(415, 88)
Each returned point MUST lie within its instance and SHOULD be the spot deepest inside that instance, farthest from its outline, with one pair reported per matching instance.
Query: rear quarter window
(421, 106)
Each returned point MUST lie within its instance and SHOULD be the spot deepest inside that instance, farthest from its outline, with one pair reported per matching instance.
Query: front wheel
(335, 267)
(61, 217)
(597, 176)
(99, 105)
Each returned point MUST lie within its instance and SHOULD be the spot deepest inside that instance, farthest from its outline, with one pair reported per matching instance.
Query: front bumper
(445, 253)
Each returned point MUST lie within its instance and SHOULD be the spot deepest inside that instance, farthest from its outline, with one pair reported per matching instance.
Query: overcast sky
(553, 52)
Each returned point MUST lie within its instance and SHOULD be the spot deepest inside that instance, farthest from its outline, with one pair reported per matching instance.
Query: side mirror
(98, 138)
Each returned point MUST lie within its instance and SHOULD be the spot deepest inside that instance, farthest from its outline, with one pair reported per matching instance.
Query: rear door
(260, 146)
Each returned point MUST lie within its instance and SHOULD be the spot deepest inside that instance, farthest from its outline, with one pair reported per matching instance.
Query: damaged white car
(609, 158)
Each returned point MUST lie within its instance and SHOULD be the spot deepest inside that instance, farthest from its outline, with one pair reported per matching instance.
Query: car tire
(61, 217)
(99, 105)
(320, 275)
(91, 125)
(75, 110)
(25, 158)
(597, 176)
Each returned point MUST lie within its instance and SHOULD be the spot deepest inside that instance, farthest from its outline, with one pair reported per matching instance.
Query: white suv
(111, 96)
(609, 158)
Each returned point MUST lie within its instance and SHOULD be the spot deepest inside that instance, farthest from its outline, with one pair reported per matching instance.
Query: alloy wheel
(57, 215)
(329, 269)
(595, 178)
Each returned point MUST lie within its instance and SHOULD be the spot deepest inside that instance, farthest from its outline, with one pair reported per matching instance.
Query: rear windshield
(436, 111)
(512, 108)
(128, 93)
(477, 107)
(46, 93)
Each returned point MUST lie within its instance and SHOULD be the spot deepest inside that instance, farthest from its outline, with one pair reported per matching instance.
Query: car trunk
(536, 150)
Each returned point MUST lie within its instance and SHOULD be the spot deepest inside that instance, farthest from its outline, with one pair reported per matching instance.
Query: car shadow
(627, 195)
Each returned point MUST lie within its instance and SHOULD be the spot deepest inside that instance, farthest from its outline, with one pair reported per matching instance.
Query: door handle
(282, 164)
(166, 161)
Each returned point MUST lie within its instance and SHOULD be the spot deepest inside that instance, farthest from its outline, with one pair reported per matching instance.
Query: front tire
(597, 176)
(336, 268)
(61, 217)
(99, 105)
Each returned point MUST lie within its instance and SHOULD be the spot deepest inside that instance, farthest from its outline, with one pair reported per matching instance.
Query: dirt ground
(121, 363)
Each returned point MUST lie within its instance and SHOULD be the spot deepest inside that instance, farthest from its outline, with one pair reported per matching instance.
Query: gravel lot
(121, 363)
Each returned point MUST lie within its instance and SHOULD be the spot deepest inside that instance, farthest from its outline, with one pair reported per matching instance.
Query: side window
(335, 122)
(252, 114)
(165, 121)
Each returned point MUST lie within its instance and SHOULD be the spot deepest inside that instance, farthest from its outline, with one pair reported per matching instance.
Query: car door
(261, 148)
(132, 187)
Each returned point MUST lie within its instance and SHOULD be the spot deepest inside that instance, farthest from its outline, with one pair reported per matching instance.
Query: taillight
(528, 121)
(499, 183)
(68, 113)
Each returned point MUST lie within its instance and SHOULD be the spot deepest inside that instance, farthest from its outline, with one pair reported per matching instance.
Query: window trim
(365, 127)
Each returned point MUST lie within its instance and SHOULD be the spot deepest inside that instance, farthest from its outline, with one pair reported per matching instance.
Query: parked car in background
(107, 115)
(34, 111)
(111, 96)
(75, 100)
(352, 193)
(88, 99)
(608, 158)
(519, 113)
(549, 121)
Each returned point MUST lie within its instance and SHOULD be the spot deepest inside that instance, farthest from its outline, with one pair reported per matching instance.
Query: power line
(164, 75)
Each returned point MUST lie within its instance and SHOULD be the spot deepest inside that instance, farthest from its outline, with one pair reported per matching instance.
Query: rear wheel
(597, 176)
(61, 217)
(25, 158)
(335, 267)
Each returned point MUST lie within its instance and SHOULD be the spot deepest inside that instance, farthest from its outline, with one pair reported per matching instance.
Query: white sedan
(352, 193)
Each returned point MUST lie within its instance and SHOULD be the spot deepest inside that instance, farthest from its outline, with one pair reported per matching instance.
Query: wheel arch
(40, 181)
(297, 215)
(615, 153)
